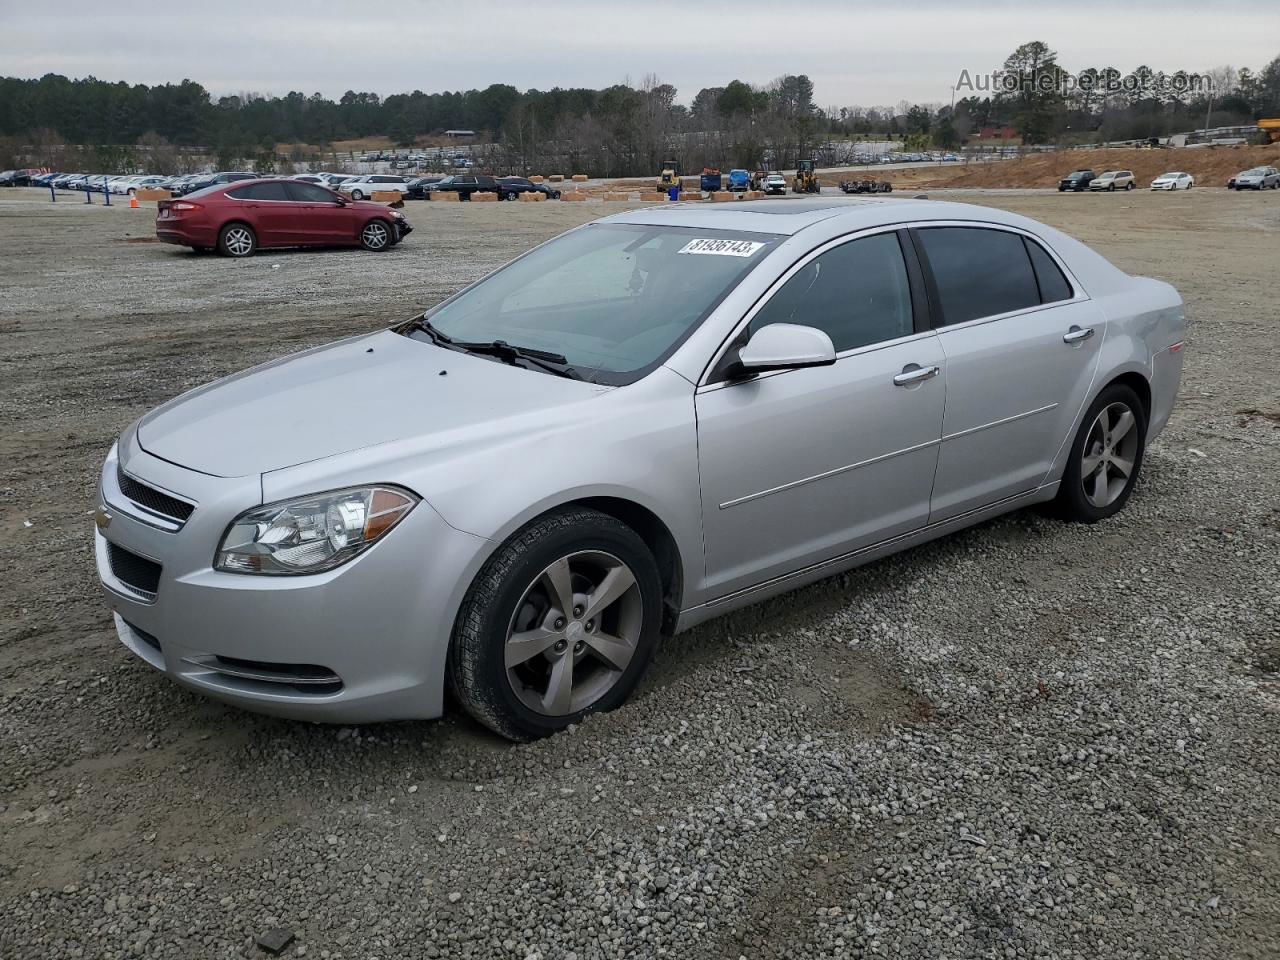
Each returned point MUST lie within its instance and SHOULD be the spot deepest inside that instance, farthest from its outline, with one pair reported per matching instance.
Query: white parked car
(361, 188)
(1173, 181)
(1113, 180)
(131, 185)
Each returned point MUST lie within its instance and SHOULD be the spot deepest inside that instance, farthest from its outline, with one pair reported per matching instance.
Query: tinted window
(309, 193)
(259, 191)
(857, 292)
(1053, 285)
(978, 272)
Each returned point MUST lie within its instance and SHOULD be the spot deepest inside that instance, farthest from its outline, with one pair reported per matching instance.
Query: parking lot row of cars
(1255, 178)
(905, 158)
(356, 187)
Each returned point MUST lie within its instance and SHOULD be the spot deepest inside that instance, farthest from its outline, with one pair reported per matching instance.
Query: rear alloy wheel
(376, 235)
(1105, 457)
(1129, 186)
(560, 623)
(237, 240)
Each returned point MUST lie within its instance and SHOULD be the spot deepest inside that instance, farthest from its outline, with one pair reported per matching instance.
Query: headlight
(311, 534)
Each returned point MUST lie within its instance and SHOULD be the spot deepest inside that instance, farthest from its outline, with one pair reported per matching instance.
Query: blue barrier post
(88, 197)
(106, 192)
(53, 194)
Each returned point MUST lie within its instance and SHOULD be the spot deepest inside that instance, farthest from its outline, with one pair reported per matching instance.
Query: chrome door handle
(915, 375)
(1076, 335)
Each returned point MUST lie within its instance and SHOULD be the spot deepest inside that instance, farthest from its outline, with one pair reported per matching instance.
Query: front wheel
(357, 194)
(237, 240)
(559, 623)
(376, 235)
(1105, 457)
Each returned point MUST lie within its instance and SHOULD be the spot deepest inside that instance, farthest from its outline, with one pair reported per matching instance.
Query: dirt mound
(1211, 166)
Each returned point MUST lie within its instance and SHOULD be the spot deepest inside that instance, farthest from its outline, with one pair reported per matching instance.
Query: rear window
(979, 272)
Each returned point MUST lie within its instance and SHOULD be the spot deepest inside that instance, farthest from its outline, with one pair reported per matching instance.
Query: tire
(377, 236)
(1129, 185)
(357, 194)
(1111, 188)
(237, 240)
(1084, 498)
(515, 593)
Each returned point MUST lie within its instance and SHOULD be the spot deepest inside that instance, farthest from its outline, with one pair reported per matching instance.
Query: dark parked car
(1077, 180)
(236, 219)
(214, 179)
(509, 188)
(418, 187)
(466, 184)
(15, 178)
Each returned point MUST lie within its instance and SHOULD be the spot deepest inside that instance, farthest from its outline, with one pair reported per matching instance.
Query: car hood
(342, 397)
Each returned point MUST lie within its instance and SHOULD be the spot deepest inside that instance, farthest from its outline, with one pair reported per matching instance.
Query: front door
(801, 466)
(1021, 348)
(319, 217)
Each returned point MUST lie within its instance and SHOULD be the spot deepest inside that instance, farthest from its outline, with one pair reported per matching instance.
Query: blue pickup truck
(739, 181)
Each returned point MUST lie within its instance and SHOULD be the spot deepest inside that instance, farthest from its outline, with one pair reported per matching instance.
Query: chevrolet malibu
(641, 424)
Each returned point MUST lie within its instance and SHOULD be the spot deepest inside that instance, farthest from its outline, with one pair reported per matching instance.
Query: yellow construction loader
(670, 176)
(806, 178)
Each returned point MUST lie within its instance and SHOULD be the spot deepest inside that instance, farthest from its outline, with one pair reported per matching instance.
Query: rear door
(319, 216)
(267, 208)
(1022, 343)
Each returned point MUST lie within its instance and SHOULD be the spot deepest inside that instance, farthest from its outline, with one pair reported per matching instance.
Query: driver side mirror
(784, 346)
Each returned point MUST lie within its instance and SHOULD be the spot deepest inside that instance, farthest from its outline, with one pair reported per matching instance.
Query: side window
(259, 191)
(857, 292)
(979, 272)
(1053, 285)
(309, 193)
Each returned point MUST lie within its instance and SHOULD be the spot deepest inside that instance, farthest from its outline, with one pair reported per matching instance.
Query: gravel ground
(1025, 740)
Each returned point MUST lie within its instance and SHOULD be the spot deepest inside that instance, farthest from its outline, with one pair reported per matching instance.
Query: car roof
(792, 216)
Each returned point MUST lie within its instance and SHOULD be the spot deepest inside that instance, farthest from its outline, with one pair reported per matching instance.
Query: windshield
(613, 299)
(1255, 172)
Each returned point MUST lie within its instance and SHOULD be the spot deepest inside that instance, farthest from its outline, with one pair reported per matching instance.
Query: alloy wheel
(375, 235)
(239, 241)
(573, 633)
(1110, 452)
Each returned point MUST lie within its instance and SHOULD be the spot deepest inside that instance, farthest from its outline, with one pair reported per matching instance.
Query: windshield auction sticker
(722, 248)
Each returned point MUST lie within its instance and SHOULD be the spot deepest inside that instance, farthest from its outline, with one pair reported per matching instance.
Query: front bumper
(364, 642)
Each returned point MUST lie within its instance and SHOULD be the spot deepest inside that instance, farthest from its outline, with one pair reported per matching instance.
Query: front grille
(137, 573)
(156, 501)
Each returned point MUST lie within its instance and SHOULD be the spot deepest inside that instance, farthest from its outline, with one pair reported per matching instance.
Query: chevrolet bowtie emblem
(102, 518)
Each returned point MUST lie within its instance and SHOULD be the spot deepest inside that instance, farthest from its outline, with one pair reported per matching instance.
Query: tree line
(627, 129)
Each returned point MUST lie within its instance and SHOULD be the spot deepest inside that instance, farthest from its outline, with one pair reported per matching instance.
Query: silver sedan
(641, 424)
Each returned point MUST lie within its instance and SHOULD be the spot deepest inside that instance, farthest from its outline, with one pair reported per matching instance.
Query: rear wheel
(237, 240)
(376, 235)
(1105, 457)
(1129, 185)
(559, 623)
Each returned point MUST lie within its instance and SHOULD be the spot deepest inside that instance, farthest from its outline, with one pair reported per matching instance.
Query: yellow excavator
(1270, 129)
(806, 178)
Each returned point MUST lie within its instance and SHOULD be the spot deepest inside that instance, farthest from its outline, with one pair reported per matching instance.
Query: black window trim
(935, 302)
(713, 374)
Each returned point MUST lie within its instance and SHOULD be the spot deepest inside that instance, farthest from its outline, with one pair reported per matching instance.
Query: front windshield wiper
(555, 363)
(542, 359)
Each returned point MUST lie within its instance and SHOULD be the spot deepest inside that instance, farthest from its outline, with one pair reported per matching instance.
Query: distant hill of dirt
(1211, 166)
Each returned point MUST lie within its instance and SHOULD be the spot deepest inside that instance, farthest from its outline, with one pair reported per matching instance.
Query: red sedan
(238, 218)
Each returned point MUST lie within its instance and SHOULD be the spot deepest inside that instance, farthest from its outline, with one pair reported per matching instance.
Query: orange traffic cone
(133, 202)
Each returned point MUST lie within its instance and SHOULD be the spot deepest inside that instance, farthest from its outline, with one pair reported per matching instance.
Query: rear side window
(979, 272)
(1053, 285)
(857, 293)
(259, 191)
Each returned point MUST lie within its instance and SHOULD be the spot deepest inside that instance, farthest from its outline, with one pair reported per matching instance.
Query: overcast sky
(866, 53)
